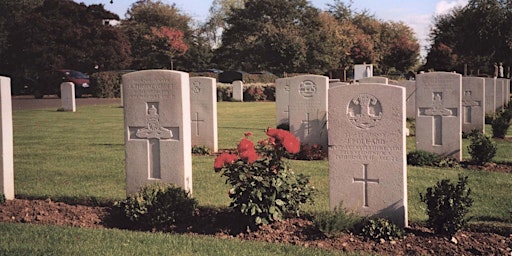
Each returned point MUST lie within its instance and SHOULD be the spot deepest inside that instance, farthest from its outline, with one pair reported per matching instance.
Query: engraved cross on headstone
(287, 111)
(365, 180)
(153, 133)
(437, 112)
(468, 103)
(307, 124)
(196, 120)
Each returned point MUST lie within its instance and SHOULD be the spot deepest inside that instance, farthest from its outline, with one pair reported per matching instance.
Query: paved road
(28, 102)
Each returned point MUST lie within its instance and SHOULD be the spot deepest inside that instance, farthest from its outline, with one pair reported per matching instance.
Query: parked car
(49, 83)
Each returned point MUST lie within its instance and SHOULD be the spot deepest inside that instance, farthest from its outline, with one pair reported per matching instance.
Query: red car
(50, 83)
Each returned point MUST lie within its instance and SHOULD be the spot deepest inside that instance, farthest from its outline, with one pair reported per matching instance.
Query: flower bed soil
(298, 231)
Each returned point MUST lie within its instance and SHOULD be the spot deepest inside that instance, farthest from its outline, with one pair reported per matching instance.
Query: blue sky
(418, 14)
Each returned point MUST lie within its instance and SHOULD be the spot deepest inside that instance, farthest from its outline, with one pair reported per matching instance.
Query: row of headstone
(166, 113)
(495, 95)
(366, 139)
(301, 102)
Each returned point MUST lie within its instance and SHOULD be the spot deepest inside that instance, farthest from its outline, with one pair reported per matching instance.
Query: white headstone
(157, 129)
(308, 109)
(505, 91)
(374, 80)
(238, 90)
(336, 84)
(6, 140)
(490, 95)
(367, 160)
(438, 117)
(499, 96)
(473, 102)
(67, 94)
(282, 101)
(203, 112)
(362, 70)
(410, 97)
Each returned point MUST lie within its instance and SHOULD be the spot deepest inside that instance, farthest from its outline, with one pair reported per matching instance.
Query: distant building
(110, 22)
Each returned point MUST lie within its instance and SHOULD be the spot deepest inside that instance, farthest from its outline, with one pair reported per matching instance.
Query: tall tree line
(472, 38)
(252, 35)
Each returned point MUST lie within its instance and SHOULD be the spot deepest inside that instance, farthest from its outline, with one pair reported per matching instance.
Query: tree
(166, 42)
(272, 35)
(401, 47)
(216, 22)
(64, 34)
(478, 34)
(147, 17)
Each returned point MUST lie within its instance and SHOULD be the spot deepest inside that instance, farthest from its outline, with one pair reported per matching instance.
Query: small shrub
(106, 84)
(500, 126)
(489, 118)
(337, 221)
(377, 229)
(201, 150)
(448, 162)
(254, 93)
(224, 92)
(423, 158)
(447, 205)
(263, 186)
(158, 205)
(2, 198)
(307, 152)
(482, 148)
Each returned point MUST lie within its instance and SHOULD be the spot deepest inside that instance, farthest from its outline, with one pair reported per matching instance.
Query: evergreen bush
(158, 205)
(447, 205)
(482, 148)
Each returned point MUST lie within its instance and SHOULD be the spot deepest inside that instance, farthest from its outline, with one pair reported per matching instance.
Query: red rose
(249, 155)
(245, 145)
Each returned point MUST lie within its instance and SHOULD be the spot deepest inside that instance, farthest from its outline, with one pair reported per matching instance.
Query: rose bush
(264, 188)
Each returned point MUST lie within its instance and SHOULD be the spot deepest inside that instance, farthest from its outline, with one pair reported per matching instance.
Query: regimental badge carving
(364, 111)
(154, 130)
(196, 87)
(307, 89)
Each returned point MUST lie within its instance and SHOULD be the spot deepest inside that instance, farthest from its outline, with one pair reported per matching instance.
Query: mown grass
(26, 239)
(80, 156)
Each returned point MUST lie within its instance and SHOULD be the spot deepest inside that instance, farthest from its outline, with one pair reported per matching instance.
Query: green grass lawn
(80, 156)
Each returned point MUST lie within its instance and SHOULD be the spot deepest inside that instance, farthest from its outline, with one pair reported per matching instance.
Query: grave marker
(308, 108)
(367, 161)
(67, 96)
(490, 95)
(203, 110)
(282, 101)
(6, 140)
(473, 101)
(238, 90)
(500, 95)
(438, 118)
(157, 129)
(373, 80)
(410, 94)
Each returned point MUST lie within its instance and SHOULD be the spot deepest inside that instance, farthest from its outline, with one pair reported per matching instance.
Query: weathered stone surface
(367, 161)
(157, 129)
(203, 112)
(6, 140)
(438, 117)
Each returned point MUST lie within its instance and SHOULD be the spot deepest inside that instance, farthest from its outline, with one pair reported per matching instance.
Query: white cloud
(444, 6)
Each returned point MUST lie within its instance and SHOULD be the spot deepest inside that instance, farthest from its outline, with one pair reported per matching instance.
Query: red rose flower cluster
(246, 151)
(284, 138)
(223, 160)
